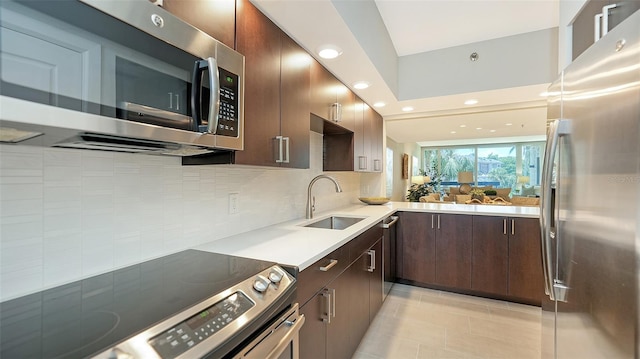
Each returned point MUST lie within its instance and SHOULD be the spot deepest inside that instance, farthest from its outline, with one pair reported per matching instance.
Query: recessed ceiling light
(453, 132)
(361, 85)
(379, 104)
(508, 124)
(407, 108)
(492, 130)
(329, 51)
(471, 102)
(478, 128)
(463, 126)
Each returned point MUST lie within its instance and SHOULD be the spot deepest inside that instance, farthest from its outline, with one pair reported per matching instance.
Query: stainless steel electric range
(191, 304)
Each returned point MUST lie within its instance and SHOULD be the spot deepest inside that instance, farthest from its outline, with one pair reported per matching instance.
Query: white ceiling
(422, 25)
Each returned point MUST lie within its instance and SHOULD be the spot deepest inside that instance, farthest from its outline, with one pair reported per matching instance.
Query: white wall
(70, 214)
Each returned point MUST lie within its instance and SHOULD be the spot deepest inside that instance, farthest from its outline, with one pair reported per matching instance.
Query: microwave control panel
(228, 118)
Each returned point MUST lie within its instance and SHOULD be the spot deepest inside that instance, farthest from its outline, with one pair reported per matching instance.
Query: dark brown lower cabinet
(453, 250)
(490, 254)
(417, 247)
(526, 279)
(485, 255)
(339, 314)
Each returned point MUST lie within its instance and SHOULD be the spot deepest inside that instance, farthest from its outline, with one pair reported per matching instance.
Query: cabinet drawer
(364, 241)
(317, 275)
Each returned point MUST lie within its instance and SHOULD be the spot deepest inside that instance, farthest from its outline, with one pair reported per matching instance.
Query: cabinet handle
(504, 226)
(170, 99)
(438, 221)
(605, 18)
(513, 227)
(332, 262)
(326, 316)
(280, 151)
(432, 225)
(178, 102)
(286, 149)
(362, 162)
(596, 26)
(372, 260)
(335, 114)
(376, 165)
(333, 302)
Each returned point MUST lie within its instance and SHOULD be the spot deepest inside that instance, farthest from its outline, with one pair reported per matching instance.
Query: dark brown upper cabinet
(216, 17)
(584, 25)
(277, 84)
(327, 93)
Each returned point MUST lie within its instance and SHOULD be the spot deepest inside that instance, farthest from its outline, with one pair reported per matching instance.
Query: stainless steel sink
(335, 222)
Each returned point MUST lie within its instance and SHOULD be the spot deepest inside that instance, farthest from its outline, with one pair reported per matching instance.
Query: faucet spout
(310, 205)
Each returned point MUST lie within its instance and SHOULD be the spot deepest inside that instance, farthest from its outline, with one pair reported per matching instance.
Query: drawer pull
(332, 262)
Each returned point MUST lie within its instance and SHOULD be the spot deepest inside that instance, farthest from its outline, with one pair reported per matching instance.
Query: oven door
(277, 341)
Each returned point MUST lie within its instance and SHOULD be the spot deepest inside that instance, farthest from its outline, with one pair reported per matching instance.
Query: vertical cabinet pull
(326, 316)
(372, 260)
(504, 226)
(286, 149)
(432, 218)
(513, 227)
(605, 18)
(438, 221)
(280, 158)
(362, 162)
(376, 165)
(333, 303)
(596, 28)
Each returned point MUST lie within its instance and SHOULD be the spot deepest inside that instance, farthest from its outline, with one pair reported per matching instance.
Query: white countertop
(291, 243)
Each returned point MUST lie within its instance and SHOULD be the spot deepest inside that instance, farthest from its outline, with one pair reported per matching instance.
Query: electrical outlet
(234, 198)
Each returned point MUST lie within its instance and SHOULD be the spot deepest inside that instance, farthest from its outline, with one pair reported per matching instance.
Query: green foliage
(416, 191)
(490, 192)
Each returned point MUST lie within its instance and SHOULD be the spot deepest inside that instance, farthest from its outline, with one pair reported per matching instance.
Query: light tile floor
(419, 323)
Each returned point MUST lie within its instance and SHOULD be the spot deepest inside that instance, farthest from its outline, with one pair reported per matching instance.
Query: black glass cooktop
(88, 316)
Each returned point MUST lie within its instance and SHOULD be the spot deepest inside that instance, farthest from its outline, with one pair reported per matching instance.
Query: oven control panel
(199, 327)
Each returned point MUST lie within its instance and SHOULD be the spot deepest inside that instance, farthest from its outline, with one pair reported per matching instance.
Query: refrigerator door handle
(557, 129)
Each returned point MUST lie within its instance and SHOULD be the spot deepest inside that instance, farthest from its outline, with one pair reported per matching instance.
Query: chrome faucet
(311, 204)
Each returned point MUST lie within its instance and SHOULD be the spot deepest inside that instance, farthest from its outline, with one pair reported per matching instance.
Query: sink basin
(335, 222)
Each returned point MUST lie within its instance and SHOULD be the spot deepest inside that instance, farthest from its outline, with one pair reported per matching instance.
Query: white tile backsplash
(69, 214)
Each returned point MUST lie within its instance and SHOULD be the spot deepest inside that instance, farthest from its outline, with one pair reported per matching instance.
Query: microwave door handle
(214, 104)
(196, 95)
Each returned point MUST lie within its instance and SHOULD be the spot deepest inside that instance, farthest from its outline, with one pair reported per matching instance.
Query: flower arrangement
(418, 190)
(477, 193)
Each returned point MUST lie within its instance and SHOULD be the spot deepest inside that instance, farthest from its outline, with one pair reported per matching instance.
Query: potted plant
(477, 193)
(491, 193)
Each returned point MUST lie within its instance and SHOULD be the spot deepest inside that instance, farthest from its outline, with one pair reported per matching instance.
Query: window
(497, 166)
(512, 165)
(389, 173)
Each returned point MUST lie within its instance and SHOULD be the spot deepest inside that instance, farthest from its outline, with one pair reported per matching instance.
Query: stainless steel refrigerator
(590, 202)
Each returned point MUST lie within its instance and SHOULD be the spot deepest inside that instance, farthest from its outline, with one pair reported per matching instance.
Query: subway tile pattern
(70, 214)
(420, 323)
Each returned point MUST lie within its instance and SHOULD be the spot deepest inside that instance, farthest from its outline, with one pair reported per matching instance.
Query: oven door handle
(294, 328)
(273, 342)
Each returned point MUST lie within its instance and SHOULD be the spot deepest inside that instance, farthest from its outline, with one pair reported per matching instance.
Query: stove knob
(275, 275)
(261, 284)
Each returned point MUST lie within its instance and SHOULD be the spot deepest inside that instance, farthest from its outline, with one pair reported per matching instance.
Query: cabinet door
(490, 254)
(260, 41)
(525, 259)
(339, 344)
(359, 134)
(294, 106)
(416, 232)
(453, 250)
(584, 26)
(376, 281)
(376, 142)
(359, 301)
(623, 9)
(313, 334)
(216, 18)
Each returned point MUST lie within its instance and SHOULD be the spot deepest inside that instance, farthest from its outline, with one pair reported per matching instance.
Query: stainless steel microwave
(116, 75)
